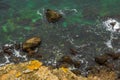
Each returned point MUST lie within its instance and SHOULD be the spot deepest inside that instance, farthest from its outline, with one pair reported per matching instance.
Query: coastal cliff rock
(34, 70)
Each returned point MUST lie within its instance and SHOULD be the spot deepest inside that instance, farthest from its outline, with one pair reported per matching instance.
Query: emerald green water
(81, 27)
(13, 12)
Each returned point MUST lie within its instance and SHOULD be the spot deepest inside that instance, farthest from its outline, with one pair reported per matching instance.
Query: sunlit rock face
(35, 70)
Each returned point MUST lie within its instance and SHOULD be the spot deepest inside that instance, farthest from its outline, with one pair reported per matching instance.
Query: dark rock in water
(65, 65)
(15, 60)
(17, 46)
(102, 59)
(8, 52)
(52, 16)
(66, 59)
(93, 69)
(30, 45)
(110, 65)
(112, 24)
(114, 56)
(73, 51)
(77, 64)
(8, 49)
(76, 71)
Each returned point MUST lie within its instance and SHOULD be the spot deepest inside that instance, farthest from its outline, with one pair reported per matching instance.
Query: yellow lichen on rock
(33, 65)
(18, 74)
(38, 72)
(64, 69)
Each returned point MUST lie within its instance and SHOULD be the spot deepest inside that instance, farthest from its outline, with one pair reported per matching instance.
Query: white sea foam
(7, 60)
(109, 44)
(17, 53)
(110, 27)
(8, 45)
(38, 12)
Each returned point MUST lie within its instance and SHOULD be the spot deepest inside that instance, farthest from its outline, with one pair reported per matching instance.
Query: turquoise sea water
(81, 28)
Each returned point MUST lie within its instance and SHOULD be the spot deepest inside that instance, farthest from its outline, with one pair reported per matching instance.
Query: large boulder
(30, 44)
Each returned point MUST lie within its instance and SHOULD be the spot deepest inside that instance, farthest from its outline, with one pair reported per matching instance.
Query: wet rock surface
(114, 56)
(73, 51)
(30, 45)
(52, 16)
(110, 61)
(102, 59)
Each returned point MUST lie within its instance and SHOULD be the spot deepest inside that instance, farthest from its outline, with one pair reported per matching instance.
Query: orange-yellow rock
(33, 65)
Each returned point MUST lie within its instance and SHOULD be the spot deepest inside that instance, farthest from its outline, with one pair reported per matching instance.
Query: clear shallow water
(82, 28)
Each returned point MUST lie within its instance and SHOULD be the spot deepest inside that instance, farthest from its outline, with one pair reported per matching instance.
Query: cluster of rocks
(29, 46)
(104, 59)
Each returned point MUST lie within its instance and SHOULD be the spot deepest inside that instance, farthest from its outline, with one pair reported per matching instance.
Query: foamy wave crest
(112, 25)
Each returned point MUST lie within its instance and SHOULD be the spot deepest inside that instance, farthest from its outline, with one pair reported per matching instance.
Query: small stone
(65, 65)
(66, 59)
(77, 72)
(7, 49)
(110, 65)
(52, 16)
(102, 59)
(77, 64)
(114, 56)
(17, 46)
(73, 51)
(112, 24)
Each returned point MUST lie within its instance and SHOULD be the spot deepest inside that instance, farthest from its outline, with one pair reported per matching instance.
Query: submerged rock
(112, 24)
(30, 44)
(103, 74)
(73, 51)
(110, 65)
(52, 16)
(66, 59)
(76, 71)
(7, 49)
(102, 59)
(114, 56)
(77, 64)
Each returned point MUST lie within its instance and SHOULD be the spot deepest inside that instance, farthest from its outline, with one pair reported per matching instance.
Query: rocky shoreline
(35, 70)
(105, 67)
(104, 70)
